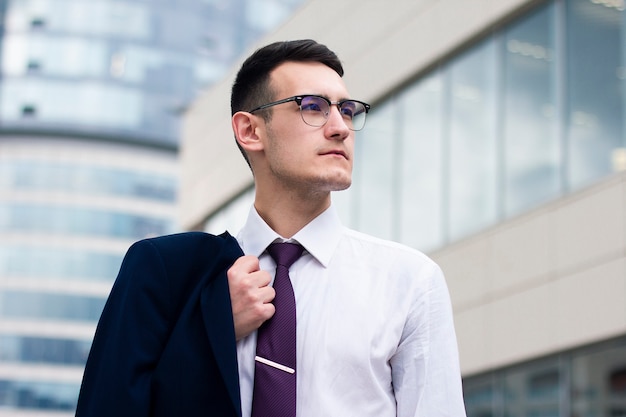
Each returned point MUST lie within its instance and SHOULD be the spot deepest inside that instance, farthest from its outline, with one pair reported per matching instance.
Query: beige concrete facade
(552, 279)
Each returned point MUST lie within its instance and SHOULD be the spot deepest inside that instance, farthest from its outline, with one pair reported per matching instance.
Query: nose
(336, 127)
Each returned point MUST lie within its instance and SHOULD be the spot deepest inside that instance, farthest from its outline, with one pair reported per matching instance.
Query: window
(375, 166)
(44, 306)
(595, 74)
(472, 172)
(421, 155)
(531, 144)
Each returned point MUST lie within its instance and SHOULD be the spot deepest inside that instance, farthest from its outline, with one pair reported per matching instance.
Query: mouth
(336, 152)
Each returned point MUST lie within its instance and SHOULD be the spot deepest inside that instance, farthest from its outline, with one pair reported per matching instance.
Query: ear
(245, 126)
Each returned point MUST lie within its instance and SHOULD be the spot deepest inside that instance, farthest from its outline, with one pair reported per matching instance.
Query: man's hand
(250, 295)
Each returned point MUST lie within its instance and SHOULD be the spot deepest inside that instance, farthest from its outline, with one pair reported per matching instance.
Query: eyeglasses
(315, 110)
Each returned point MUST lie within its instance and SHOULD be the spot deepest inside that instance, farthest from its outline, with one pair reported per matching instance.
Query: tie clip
(274, 364)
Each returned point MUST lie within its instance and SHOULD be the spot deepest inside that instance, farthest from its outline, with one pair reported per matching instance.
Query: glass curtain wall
(587, 382)
(530, 135)
(91, 94)
(68, 211)
(595, 84)
(124, 67)
(471, 175)
(531, 112)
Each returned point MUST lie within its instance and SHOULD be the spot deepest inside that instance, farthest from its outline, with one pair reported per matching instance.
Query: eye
(313, 104)
(349, 109)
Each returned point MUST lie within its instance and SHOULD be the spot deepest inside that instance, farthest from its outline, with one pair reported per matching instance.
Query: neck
(287, 215)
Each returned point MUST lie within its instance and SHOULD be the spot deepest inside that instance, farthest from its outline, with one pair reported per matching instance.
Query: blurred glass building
(91, 94)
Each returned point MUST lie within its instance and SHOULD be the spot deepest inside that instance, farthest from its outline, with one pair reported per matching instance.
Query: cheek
(288, 145)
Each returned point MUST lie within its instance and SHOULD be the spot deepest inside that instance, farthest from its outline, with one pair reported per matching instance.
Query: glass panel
(55, 102)
(96, 17)
(595, 86)
(472, 159)
(533, 390)
(49, 396)
(374, 163)
(86, 180)
(43, 350)
(79, 221)
(58, 263)
(531, 146)
(44, 306)
(479, 394)
(421, 205)
(69, 57)
(599, 383)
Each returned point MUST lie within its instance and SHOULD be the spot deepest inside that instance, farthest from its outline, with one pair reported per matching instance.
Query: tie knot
(285, 254)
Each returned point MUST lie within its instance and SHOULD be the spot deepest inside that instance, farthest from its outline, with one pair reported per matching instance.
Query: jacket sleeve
(129, 338)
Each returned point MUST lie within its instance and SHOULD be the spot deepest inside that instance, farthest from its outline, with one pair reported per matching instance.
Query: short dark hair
(252, 85)
(251, 88)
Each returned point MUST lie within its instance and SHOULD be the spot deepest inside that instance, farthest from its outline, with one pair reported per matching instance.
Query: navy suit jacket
(165, 343)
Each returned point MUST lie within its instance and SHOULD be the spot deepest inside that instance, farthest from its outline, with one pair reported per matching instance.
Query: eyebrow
(326, 97)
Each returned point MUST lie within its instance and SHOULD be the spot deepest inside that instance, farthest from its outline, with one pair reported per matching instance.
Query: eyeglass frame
(298, 100)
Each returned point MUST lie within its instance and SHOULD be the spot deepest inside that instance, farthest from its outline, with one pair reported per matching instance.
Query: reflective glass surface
(472, 163)
(533, 390)
(42, 350)
(586, 382)
(532, 164)
(45, 262)
(85, 179)
(599, 382)
(421, 161)
(481, 397)
(121, 67)
(375, 193)
(66, 220)
(47, 306)
(38, 395)
(595, 83)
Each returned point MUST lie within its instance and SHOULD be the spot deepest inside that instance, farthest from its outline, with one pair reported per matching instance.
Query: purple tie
(275, 367)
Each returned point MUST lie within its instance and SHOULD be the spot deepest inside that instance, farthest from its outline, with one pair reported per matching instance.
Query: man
(374, 334)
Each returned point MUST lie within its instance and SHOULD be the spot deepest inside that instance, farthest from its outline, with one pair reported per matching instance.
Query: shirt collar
(320, 237)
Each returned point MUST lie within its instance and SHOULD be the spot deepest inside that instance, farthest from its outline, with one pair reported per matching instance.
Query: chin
(340, 185)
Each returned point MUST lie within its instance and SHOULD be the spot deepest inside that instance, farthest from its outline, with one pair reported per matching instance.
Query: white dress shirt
(375, 336)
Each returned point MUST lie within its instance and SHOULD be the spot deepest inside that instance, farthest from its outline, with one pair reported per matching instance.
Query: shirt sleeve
(426, 374)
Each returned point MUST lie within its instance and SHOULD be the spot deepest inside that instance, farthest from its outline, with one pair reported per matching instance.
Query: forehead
(293, 78)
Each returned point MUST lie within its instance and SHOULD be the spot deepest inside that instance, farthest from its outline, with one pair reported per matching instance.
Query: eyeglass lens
(316, 110)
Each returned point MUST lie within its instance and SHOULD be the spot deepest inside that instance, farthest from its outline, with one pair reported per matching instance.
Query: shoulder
(188, 248)
(183, 242)
(379, 248)
(178, 262)
(412, 280)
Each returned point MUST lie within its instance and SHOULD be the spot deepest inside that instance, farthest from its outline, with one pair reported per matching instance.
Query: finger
(245, 264)
(268, 311)
(266, 294)
(261, 278)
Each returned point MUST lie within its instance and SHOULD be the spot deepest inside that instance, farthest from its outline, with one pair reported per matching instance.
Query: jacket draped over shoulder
(165, 343)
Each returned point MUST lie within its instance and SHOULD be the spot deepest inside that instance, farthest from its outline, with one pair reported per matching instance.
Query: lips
(337, 152)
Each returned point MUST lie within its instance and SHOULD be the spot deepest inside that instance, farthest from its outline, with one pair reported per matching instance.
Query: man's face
(298, 156)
